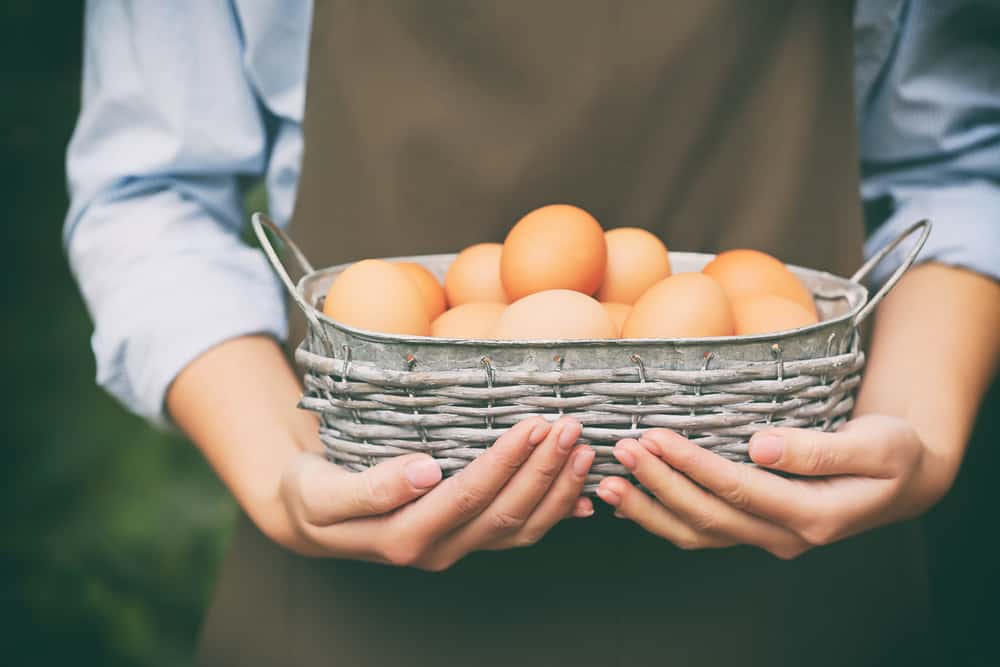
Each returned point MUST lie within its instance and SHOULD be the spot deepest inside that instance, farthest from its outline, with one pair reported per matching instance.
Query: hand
(401, 513)
(873, 471)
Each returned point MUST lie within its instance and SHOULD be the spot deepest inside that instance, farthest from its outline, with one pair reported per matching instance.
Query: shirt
(186, 102)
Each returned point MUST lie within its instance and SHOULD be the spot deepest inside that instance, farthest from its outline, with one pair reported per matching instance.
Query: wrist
(237, 403)
(270, 501)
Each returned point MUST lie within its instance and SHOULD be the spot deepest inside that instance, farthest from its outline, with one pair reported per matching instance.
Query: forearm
(934, 351)
(237, 402)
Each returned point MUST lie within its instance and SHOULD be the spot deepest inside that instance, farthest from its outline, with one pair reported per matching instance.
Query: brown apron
(433, 125)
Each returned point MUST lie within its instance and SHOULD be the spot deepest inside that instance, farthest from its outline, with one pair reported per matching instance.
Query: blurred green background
(114, 532)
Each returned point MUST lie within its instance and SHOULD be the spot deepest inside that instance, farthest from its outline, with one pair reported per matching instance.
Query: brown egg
(469, 320)
(636, 260)
(685, 305)
(378, 296)
(558, 314)
(742, 272)
(553, 247)
(618, 312)
(474, 276)
(430, 289)
(766, 313)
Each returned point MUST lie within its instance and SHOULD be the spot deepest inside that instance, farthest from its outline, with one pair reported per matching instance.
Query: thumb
(330, 495)
(817, 453)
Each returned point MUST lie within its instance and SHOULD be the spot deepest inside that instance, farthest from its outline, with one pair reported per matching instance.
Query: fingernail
(584, 508)
(582, 461)
(625, 455)
(619, 515)
(766, 447)
(608, 495)
(423, 473)
(539, 432)
(567, 435)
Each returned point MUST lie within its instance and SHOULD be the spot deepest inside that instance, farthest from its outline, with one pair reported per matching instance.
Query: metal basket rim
(377, 337)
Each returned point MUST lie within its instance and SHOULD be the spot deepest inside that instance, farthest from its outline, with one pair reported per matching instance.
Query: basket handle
(259, 221)
(873, 261)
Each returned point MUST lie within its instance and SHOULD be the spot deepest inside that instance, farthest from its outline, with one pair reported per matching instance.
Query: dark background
(112, 531)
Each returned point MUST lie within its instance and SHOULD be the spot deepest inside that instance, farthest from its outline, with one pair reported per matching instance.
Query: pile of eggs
(560, 276)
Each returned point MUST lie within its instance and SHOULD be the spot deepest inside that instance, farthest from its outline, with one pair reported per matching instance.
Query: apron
(430, 126)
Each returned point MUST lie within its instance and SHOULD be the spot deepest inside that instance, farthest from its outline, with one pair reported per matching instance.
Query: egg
(636, 260)
(766, 313)
(618, 312)
(742, 272)
(685, 305)
(474, 276)
(554, 247)
(378, 296)
(469, 320)
(558, 314)
(430, 289)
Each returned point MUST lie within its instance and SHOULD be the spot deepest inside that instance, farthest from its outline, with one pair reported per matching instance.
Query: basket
(382, 395)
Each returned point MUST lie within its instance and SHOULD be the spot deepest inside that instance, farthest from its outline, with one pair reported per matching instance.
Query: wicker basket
(381, 395)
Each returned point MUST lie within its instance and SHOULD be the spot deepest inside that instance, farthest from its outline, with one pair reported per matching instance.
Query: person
(397, 128)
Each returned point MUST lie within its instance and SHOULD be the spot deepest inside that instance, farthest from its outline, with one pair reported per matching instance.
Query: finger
(631, 503)
(508, 514)
(854, 451)
(464, 496)
(701, 510)
(582, 508)
(519, 498)
(530, 484)
(753, 490)
(564, 497)
(329, 494)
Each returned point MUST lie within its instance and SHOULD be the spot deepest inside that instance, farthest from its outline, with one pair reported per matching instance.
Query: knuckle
(310, 501)
(688, 540)
(683, 460)
(630, 504)
(817, 460)
(547, 472)
(436, 565)
(402, 553)
(528, 538)
(735, 492)
(402, 548)
(377, 494)
(505, 460)
(819, 533)
(505, 522)
(703, 522)
(687, 543)
(896, 460)
(788, 551)
(658, 435)
(470, 499)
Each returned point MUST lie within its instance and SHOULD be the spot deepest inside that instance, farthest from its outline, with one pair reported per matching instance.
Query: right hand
(400, 512)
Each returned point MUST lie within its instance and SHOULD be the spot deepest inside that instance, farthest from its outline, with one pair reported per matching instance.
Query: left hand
(873, 471)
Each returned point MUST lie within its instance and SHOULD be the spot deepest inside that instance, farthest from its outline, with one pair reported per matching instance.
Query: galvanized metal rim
(591, 342)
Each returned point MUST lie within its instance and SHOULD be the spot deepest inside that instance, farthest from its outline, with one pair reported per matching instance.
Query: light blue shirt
(186, 101)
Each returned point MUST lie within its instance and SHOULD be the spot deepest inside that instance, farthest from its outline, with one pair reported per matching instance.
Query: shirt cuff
(165, 276)
(965, 234)
(177, 314)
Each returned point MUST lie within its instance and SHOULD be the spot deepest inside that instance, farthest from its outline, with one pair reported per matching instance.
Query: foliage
(114, 531)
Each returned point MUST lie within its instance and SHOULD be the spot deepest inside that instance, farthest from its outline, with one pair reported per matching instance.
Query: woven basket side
(371, 414)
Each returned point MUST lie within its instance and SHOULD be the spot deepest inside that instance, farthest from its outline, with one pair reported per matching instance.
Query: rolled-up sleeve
(169, 126)
(930, 135)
